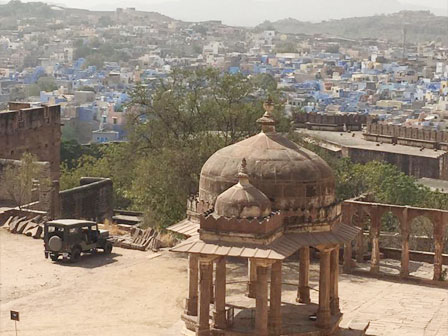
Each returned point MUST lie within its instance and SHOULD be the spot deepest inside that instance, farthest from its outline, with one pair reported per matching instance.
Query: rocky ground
(142, 293)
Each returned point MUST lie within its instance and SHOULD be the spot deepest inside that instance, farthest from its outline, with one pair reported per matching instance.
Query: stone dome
(243, 200)
(290, 176)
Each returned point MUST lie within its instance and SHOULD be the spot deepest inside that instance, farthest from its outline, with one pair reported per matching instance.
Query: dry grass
(113, 229)
(167, 239)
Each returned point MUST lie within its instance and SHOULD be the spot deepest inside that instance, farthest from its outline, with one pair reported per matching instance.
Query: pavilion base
(295, 322)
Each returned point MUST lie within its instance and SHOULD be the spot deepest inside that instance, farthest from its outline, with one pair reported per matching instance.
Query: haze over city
(224, 167)
(253, 12)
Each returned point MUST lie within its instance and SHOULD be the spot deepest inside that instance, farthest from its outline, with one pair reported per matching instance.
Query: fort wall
(92, 200)
(409, 136)
(36, 130)
(330, 122)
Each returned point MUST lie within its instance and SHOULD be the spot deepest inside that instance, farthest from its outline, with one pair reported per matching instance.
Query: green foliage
(72, 151)
(104, 161)
(46, 84)
(173, 128)
(18, 180)
(16, 8)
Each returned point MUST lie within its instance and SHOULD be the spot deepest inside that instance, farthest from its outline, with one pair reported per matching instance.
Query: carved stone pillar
(220, 294)
(324, 312)
(191, 305)
(205, 269)
(303, 292)
(275, 314)
(261, 310)
(334, 277)
(405, 230)
(252, 283)
(375, 234)
(347, 215)
(348, 257)
(212, 289)
(439, 230)
(360, 242)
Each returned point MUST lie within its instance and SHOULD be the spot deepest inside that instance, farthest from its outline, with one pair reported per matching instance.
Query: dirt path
(129, 292)
(137, 293)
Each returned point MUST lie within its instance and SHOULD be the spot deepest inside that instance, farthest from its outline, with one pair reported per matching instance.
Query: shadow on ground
(91, 260)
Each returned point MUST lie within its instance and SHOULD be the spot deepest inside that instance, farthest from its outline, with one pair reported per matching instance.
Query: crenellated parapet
(335, 122)
(36, 130)
(255, 226)
(409, 136)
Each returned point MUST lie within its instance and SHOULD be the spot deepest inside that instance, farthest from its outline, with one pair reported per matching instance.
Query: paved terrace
(142, 293)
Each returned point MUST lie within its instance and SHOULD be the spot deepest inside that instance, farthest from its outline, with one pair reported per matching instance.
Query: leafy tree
(46, 84)
(173, 128)
(18, 180)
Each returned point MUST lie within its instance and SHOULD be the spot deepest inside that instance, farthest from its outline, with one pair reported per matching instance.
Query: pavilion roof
(279, 249)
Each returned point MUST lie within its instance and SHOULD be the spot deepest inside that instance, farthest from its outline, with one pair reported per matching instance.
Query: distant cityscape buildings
(88, 62)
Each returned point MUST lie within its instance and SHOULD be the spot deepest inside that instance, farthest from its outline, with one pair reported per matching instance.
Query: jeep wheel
(108, 248)
(54, 257)
(75, 255)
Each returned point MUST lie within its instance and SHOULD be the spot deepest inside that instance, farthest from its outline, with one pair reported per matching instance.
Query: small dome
(242, 200)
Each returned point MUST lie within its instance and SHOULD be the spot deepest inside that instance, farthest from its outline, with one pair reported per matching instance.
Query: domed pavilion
(263, 199)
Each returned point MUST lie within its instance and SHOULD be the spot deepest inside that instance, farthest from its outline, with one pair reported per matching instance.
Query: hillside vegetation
(421, 26)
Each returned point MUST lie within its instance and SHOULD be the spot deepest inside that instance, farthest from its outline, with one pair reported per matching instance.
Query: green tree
(46, 84)
(19, 180)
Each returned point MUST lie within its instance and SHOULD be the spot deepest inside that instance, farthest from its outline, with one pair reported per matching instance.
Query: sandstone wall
(409, 136)
(36, 130)
(418, 166)
(92, 200)
(330, 122)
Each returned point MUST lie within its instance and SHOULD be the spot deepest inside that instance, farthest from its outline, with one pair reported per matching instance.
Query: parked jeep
(70, 237)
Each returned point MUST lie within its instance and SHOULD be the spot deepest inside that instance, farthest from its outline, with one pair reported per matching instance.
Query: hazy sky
(252, 12)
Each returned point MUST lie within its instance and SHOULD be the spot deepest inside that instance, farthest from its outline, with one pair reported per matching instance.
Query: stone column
(261, 310)
(360, 244)
(191, 305)
(348, 257)
(303, 292)
(324, 313)
(252, 283)
(405, 229)
(212, 289)
(275, 314)
(334, 277)
(205, 268)
(439, 229)
(375, 233)
(220, 294)
(347, 214)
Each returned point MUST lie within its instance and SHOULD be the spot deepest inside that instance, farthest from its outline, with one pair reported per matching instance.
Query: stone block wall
(418, 166)
(92, 200)
(35, 130)
(330, 122)
(409, 136)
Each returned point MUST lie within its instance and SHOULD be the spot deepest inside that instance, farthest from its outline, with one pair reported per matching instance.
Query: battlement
(330, 122)
(257, 226)
(20, 117)
(410, 136)
(36, 130)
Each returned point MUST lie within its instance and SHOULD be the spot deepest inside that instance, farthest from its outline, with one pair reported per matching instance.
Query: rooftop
(335, 141)
(70, 222)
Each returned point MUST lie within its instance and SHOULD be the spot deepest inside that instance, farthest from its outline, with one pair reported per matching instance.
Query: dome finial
(267, 122)
(243, 175)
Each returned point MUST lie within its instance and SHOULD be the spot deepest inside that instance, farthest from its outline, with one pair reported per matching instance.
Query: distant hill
(420, 26)
(18, 9)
